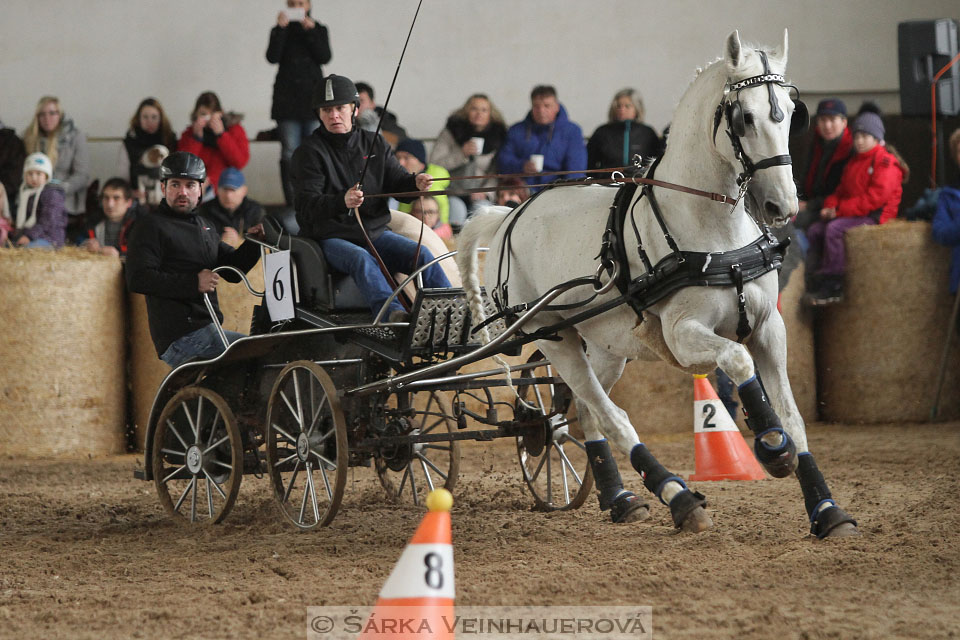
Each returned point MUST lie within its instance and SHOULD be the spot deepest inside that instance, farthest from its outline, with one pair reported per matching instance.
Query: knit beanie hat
(414, 147)
(869, 122)
(38, 162)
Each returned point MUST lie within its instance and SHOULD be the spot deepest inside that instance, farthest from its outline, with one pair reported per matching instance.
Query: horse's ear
(734, 51)
(780, 52)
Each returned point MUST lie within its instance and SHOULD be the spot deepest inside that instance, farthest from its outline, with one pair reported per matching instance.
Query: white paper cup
(479, 143)
(537, 160)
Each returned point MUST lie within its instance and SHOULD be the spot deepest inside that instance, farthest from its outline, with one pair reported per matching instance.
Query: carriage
(699, 291)
(304, 400)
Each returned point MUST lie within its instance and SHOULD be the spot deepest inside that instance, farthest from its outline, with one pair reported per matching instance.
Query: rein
(715, 197)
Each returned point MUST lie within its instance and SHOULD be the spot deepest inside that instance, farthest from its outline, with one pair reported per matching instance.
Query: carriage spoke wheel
(197, 456)
(307, 451)
(408, 472)
(553, 458)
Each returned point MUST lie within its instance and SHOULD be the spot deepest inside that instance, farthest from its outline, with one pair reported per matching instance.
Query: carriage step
(140, 474)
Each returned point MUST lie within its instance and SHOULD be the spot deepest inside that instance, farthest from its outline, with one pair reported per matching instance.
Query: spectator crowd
(48, 197)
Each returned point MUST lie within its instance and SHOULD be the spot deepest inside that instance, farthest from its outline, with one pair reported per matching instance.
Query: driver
(326, 168)
(169, 259)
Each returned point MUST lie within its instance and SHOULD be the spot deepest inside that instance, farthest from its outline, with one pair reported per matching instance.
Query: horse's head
(759, 112)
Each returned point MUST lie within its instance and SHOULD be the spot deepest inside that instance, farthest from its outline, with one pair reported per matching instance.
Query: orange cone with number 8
(720, 450)
(416, 601)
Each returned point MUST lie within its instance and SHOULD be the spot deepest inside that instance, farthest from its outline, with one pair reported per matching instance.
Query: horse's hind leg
(571, 362)
(769, 348)
(624, 505)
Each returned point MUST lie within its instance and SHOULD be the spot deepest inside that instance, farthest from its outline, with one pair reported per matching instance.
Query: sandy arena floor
(88, 552)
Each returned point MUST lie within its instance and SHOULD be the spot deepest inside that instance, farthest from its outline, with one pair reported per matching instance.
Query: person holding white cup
(467, 146)
(545, 141)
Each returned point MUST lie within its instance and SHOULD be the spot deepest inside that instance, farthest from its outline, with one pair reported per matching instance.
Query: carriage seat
(319, 287)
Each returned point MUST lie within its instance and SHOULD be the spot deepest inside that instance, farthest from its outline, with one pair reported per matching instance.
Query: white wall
(101, 57)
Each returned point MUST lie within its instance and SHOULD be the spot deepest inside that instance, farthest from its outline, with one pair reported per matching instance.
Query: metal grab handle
(212, 311)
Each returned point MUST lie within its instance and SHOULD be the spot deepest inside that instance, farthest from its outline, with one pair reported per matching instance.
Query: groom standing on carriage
(330, 202)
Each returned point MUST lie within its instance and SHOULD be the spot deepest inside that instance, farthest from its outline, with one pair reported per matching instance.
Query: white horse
(557, 237)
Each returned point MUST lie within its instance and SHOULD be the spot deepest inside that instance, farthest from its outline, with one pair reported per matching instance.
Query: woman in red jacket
(869, 193)
(217, 138)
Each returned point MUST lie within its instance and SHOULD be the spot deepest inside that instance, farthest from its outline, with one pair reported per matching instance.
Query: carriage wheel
(553, 459)
(307, 451)
(408, 472)
(197, 456)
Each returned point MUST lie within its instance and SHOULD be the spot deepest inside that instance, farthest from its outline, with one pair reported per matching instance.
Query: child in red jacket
(869, 193)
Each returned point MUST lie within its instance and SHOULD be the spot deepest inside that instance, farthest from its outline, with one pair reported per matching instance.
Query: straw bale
(879, 351)
(237, 303)
(147, 370)
(62, 384)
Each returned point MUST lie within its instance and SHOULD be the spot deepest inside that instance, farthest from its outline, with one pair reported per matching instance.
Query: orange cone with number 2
(416, 601)
(720, 450)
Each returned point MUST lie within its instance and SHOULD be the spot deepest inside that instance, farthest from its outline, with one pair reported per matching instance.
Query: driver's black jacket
(166, 252)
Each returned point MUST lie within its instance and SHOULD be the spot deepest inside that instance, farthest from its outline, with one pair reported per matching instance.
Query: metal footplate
(442, 318)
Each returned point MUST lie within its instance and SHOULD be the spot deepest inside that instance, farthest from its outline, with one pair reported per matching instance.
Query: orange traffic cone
(720, 450)
(416, 601)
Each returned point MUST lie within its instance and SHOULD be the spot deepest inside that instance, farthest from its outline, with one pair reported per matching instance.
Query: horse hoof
(844, 530)
(779, 461)
(697, 521)
(834, 522)
(782, 467)
(629, 509)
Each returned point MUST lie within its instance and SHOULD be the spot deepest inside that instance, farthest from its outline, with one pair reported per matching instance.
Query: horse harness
(732, 112)
(678, 269)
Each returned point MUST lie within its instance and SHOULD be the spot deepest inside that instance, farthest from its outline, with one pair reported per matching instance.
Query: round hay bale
(801, 354)
(62, 386)
(147, 370)
(659, 398)
(879, 351)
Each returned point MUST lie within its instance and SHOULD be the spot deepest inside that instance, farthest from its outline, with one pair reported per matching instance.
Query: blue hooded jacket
(560, 143)
(946, 229)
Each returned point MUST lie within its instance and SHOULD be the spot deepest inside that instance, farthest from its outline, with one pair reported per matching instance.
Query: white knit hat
(38, 162)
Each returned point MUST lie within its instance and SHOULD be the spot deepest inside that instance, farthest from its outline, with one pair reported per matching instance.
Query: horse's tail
(479, 231)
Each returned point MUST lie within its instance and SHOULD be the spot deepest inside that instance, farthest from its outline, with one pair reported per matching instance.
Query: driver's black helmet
(183, 164)
(334, 90)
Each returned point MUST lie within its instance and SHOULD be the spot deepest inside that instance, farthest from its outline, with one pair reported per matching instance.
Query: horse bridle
(732, 111)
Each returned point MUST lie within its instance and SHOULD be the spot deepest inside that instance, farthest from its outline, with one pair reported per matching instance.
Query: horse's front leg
(695, 344)
(769, 347)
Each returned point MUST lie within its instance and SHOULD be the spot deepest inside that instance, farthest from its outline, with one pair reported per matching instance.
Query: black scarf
(493, 134)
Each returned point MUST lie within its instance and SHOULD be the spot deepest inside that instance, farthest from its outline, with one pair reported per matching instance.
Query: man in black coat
(300, 45)
(326, 171)
(170, 260)
(232, 212)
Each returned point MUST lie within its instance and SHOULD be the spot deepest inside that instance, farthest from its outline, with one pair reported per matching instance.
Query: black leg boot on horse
(779, 458)
(686, 506)
(826, 518)
(624, 505)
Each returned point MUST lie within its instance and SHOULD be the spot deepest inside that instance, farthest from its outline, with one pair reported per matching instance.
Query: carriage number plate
(276, 285)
